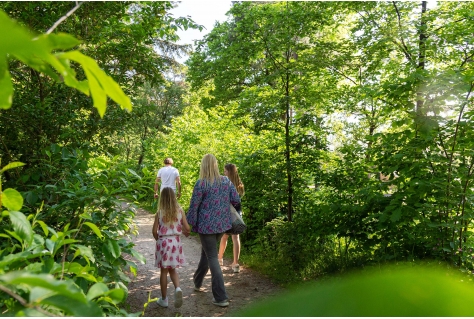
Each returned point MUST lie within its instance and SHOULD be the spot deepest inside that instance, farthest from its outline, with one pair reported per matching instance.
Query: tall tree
(271, 58)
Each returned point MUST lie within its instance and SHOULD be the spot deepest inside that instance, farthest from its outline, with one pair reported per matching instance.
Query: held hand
(156, 195)
(178, 196)
(186, 233)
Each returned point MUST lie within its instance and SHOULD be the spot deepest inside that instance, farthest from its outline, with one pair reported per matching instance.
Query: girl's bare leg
(236, 244)
(164, 282)
(174, 277)
(222, 246)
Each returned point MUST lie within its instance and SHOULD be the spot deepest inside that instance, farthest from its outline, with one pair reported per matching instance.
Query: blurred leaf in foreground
(389, 292)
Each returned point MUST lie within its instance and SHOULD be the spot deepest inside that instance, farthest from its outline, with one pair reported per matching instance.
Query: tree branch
(340, 73)
(444, 25)
(467, 59)
(55, 25)
(405, 48)
(24, 303)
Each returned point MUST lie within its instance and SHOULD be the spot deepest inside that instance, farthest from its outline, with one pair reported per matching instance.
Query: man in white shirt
(168, 176)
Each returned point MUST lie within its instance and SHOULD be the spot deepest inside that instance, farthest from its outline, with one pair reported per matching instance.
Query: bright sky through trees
(204, 12)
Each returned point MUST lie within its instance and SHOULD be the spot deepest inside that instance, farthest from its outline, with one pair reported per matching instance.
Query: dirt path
(242, 288)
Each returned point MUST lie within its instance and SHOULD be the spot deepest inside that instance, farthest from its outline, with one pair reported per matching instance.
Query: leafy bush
(79, 264)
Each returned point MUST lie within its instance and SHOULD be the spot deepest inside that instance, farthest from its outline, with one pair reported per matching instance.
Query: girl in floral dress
(170, 223)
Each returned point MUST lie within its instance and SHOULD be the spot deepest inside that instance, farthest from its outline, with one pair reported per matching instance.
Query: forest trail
(242, 288)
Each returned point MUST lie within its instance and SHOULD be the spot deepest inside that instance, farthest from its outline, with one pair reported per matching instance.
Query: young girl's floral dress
(169, 249)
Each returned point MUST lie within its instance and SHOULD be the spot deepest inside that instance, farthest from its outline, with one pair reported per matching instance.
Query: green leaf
(100, 83)
(24, 255)
(14, 235)
(64, 287)
(111, 249)
(98, 95)
(31, 197)
(95, 229)
(85, 252)
(38, 293)
(17, 40)
(117, 295)
(62, 242)
(12, 165)
(59, 41)
(97, 290)
(396, 215)
(138, 256)
(21, 226)
(50, 245)
(386, 292)
(6, 86)
(12, 199)
(134, 173)
(70, 306)
(44, 227)
(133, 267)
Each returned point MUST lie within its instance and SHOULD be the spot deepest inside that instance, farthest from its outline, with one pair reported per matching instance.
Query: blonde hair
(209, 172)
(233, 175)
(168, 207)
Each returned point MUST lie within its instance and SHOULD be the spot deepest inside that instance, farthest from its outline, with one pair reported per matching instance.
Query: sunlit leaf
(11, 165)
(387, 292)
(12, 199)
(95, 229)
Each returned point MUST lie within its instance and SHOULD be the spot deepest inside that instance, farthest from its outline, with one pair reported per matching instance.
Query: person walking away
(230, 170)
(209, 216)
(168, 176)
(170, 222)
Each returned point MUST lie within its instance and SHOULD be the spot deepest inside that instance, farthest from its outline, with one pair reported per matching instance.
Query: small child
(170, 223)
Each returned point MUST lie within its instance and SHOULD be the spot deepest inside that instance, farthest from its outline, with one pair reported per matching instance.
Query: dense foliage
(370, 117)
(65, 229)
(350, 123)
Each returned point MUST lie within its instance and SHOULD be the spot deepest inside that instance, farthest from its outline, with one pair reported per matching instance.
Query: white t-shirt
(168, 176)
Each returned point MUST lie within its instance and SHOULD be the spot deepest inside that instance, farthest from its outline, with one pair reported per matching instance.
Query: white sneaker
(178, 298)
(236, 268)
(163, 302)
(223, 303)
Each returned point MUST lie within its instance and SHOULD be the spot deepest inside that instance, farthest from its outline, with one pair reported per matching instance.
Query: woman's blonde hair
(209, 172)
(168, 207)
(233, 175)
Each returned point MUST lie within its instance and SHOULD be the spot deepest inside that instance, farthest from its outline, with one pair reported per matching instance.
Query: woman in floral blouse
(209, 216)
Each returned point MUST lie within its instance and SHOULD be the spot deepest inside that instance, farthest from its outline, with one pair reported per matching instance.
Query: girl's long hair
(168, 207)
(209, 172)
(233, 175)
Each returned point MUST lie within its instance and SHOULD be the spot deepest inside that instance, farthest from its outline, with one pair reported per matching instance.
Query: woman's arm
(196, 199)
(156, 223)
(234, 197)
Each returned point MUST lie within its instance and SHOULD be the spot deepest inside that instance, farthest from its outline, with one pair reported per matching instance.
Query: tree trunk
(421, 58)
(287, 145)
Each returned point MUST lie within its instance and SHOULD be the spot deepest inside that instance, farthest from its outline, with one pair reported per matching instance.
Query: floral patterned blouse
(209, 209)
